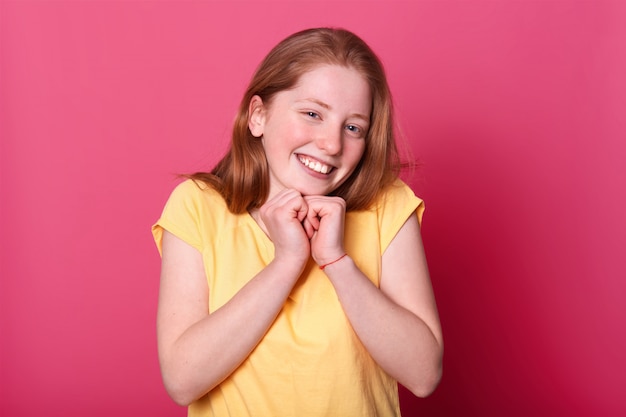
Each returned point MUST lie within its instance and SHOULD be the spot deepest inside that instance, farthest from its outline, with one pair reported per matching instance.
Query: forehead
(334, 85)
(330, 73)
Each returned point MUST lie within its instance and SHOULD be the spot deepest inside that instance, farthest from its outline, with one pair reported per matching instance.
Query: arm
(398, 324)
(198, 350)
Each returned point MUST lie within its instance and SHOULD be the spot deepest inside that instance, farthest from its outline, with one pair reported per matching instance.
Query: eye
(355, 130)
(312, 114)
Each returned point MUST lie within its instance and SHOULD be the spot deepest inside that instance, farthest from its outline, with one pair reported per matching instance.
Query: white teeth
(315, 165)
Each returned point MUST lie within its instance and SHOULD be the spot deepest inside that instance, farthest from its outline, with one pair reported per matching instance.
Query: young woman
(293, 280)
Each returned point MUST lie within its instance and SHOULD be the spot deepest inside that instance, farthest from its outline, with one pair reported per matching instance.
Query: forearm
(398, 340)
(212, 348)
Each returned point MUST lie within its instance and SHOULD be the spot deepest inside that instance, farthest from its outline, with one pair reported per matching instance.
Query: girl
(293, 280)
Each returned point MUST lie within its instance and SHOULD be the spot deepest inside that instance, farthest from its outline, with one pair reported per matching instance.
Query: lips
(315, 165)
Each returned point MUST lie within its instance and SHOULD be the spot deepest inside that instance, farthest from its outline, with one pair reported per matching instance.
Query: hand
(281, 218)
(324, 225)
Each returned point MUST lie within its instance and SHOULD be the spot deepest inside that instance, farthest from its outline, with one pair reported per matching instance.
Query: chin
(313, 191)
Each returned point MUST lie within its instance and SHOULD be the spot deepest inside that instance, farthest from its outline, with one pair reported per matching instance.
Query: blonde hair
(242, 176)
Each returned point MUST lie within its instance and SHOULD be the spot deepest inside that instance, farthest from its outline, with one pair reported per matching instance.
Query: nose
(331, 140)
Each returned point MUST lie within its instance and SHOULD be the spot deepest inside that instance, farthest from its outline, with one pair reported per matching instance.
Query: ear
(256, 116)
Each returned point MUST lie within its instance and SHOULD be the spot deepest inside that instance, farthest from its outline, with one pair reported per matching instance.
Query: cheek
(355, 151)
(287, 134)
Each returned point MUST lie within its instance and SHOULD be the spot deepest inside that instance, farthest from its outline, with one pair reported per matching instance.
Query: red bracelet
(336, 260)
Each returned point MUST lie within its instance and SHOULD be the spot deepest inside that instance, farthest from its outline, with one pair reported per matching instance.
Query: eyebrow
(328, 107)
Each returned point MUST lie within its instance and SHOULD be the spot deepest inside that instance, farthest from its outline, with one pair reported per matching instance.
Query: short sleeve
(181, 215)
(395, 207)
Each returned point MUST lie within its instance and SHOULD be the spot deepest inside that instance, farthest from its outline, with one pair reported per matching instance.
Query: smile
(314, 165)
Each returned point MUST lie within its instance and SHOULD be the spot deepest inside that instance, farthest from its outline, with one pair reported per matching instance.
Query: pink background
(515, 109)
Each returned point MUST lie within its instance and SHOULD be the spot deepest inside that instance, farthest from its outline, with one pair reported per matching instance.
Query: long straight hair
(242, 176)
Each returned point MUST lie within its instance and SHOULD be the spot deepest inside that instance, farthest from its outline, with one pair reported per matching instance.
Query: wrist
(289, 264)
(333, 262)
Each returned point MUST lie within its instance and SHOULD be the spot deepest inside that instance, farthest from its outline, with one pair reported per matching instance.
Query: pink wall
(516, 110)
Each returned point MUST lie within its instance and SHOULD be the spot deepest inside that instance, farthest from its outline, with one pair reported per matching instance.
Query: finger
(313, 216)
(308, 228)
(287, 201)
(302, 208)
(323, 205)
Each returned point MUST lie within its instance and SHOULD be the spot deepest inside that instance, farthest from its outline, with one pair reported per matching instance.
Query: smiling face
(314, 134)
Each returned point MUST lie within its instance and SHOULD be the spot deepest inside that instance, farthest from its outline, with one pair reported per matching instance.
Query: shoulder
(195, 194)
(193, 212)
(195, 188)
(396, 204)
(398, 199)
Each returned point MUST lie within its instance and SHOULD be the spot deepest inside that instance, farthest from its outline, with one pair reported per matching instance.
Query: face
(314, 134)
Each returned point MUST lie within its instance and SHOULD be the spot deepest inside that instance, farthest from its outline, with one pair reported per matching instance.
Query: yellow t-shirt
(310, 362)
